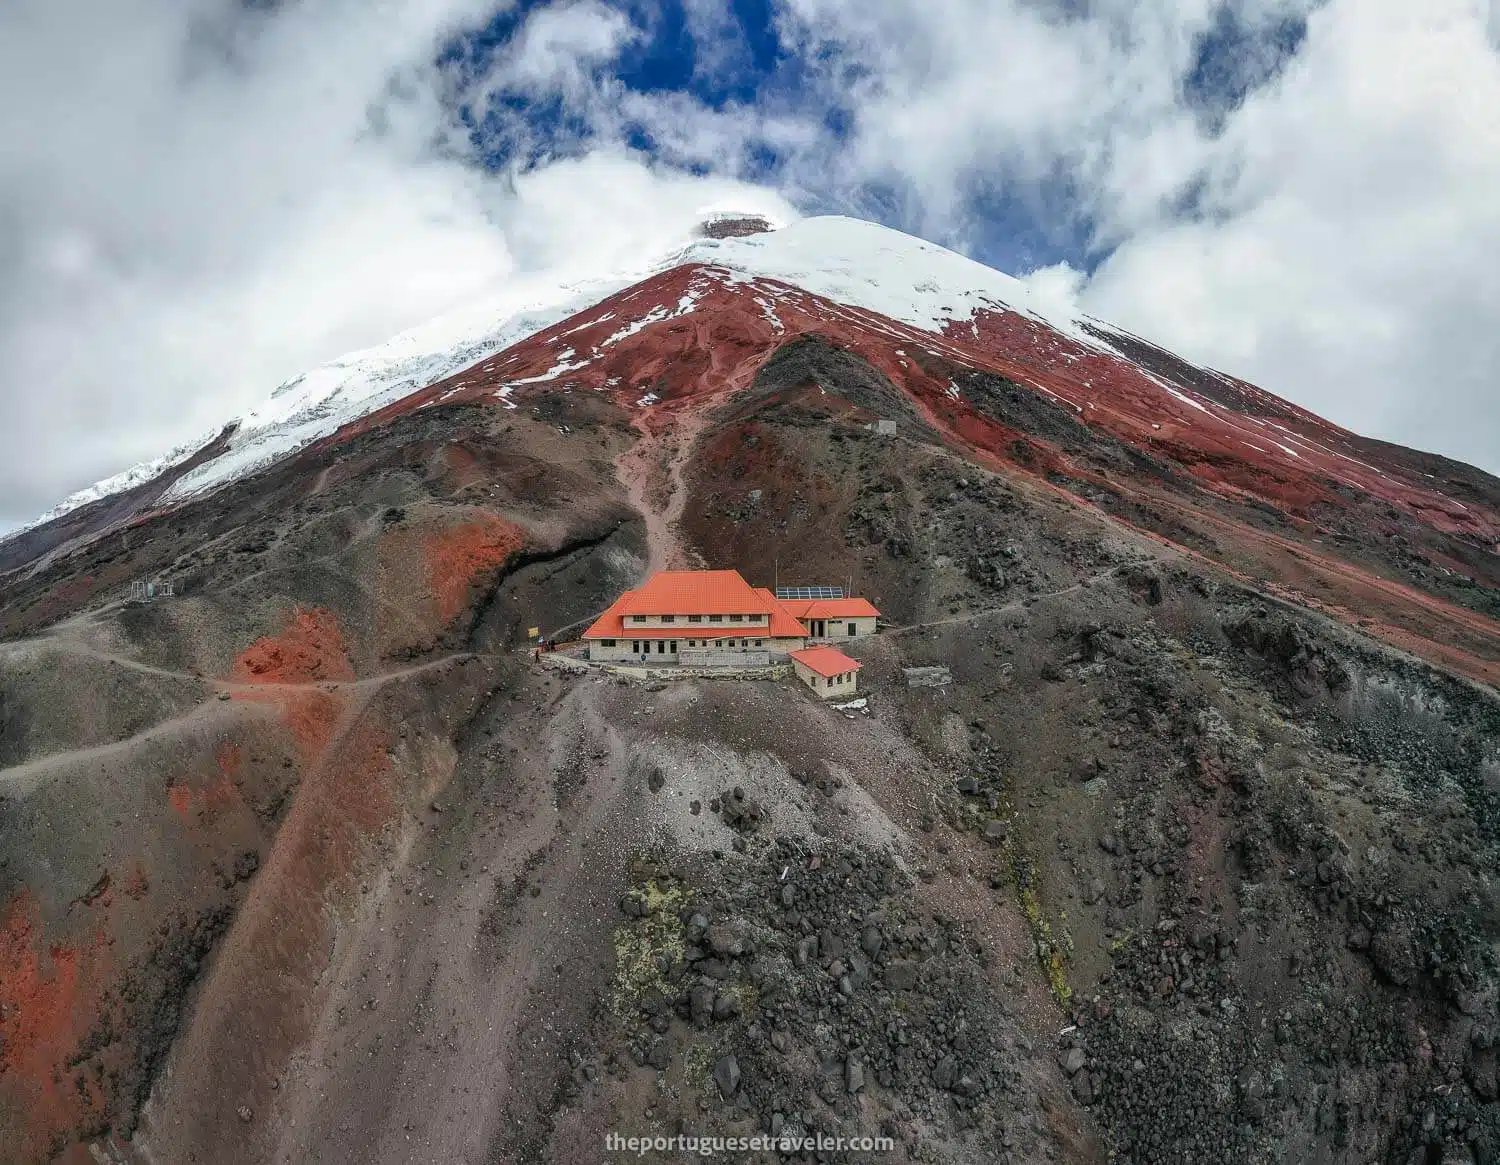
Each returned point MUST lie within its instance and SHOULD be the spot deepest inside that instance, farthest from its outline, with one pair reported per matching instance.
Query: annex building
(689, 615)
(826, 670)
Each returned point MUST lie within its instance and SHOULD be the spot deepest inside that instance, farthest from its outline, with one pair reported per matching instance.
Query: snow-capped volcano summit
(988, 363)
(859, 264)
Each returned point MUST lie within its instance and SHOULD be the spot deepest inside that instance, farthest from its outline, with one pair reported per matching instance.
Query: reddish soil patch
(461, 557)
(256, 1006)
(46, 990)
(310, 649)
(229, 759)
(310, 714)
(181, 798)
(208, 800)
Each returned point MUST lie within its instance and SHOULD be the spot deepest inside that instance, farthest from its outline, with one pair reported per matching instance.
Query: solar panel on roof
(809, 592)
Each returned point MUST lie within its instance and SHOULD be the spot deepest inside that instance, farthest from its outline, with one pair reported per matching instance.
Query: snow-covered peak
(856, 263)
(866, 265)
(319, 403)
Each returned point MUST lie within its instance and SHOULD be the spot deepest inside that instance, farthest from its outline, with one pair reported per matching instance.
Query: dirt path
(653, 467)
(1017, 605)
(210, 713)
(72, 647)
(212, 716)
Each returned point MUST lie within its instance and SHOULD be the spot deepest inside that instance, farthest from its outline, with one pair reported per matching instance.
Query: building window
(635, 647)
(661, 647)
(637, 618)
(669, 618)
(606, 643)
(695, 618)
(757, 643)
(716, 618)
(853, 628)
(674, 647)
(830, 681)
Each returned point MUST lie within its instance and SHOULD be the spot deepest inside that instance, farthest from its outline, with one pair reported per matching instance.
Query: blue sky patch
(1233, 59)
(737, 62)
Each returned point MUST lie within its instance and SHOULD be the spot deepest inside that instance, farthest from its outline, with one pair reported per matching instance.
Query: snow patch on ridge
(895, 278)
(864, 265)
(319, 403)
(127, 480)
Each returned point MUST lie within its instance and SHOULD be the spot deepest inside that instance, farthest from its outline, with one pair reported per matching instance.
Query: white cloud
(200, 199)
(604, 211)
(195, 203)
(558, 48)
(1347, 260)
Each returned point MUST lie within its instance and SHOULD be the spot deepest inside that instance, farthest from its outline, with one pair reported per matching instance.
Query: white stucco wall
(835, 630)
(623, 650)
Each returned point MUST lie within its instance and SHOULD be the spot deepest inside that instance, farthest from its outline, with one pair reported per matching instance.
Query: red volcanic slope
(648, 354)
(686, 339)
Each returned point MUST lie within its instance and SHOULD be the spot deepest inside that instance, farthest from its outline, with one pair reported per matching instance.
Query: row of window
(663, 644)
(699, 618)
(832, 680)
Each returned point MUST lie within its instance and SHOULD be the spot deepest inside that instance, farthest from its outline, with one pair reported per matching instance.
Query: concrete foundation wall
(708, 657)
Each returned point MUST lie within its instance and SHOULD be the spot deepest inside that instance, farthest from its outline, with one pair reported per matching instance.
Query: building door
(674, 647)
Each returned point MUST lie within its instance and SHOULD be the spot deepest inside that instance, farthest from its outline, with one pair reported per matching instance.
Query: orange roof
(609, 624)
(830, 608)
(784, 624)
(697, 592)
(826, 661)
(717, 592)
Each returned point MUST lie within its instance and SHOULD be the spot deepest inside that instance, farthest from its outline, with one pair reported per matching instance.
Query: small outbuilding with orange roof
(826, 670)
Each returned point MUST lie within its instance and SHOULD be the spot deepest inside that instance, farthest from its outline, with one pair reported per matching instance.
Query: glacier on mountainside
(862, 264)
(125, 480)
(856, 263)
